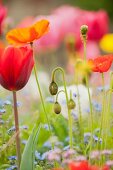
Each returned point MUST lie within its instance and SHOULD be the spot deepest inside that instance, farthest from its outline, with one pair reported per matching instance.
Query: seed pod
(71, 104)
(53, 88)
(57, 108)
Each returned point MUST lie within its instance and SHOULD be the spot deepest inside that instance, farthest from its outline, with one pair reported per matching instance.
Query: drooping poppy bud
(53, 88)
(71, 104)
(15, 67)
(57, 108)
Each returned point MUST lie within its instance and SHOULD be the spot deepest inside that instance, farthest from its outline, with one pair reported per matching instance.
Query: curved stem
(66, 94)
(17, 129)
(58, 94)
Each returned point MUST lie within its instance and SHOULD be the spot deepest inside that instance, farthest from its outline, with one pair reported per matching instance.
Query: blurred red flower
(101, 64)
(3, 13)
(53, 39)
(83, 165)
(15, 67)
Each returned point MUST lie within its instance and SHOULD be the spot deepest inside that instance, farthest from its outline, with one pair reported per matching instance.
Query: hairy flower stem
(108, 111)
(41, 96)
(80, 113)
(102, 114)
(17, 129)
(90, 102)
(66, 94)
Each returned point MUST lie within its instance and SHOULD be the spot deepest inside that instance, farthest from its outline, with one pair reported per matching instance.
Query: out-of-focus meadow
(63, 46)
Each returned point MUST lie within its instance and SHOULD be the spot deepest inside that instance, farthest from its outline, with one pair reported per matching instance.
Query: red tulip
(101, 64)
(79, 165)
(15, 67)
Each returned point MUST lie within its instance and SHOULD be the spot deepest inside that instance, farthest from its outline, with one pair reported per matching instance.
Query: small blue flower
(47, 144)
(1, 122)
(50, 99)
(97, 106)
(12, 129)
(12, 157)
(14, 167)
(66, 148)
(87, 137)
(100, 88)
(24, 142)
(45, 126)
(7, 102)
(74, 94)
(19, 104)
(96, 139)
(24, 127)
(2, 111)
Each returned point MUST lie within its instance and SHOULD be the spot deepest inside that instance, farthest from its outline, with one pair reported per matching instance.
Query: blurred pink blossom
(3, 13)
(72, 19)
(67, 20)
(27, 21)
(98, 24)
(92, 50)
(53, 38)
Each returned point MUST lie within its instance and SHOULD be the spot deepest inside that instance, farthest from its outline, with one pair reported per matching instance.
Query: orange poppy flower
(101, 64)
(21, 36)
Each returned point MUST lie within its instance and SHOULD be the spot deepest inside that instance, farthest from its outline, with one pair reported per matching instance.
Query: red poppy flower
(101, 64)
(15, 67)
(79, 165)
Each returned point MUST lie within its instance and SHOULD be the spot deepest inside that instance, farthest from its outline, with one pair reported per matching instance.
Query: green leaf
(28, 158)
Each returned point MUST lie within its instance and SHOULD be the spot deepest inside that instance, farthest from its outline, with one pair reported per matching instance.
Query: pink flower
(72, 18)
(69, 17)
(26, 22)
(92, 50)
(53, 38)
(3, 13)
(98, 24)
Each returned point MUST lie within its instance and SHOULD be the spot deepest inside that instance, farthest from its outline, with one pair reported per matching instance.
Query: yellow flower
(82, 67)
(106, 43)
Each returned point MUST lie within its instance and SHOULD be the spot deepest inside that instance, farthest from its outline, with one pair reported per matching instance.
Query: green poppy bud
(71, 104)
(53, 88)
(57, 108)
(84, 30)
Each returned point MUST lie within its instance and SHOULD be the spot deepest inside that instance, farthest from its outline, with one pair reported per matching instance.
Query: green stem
(66, 94)
(108, 111)
(80, 113)
(58, 94)
(84, 42)
(91, 109)
(102, 114)
(17, 129)
(41, 96)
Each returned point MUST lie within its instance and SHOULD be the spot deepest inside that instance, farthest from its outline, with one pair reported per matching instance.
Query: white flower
(83, 95)
(31, 88)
